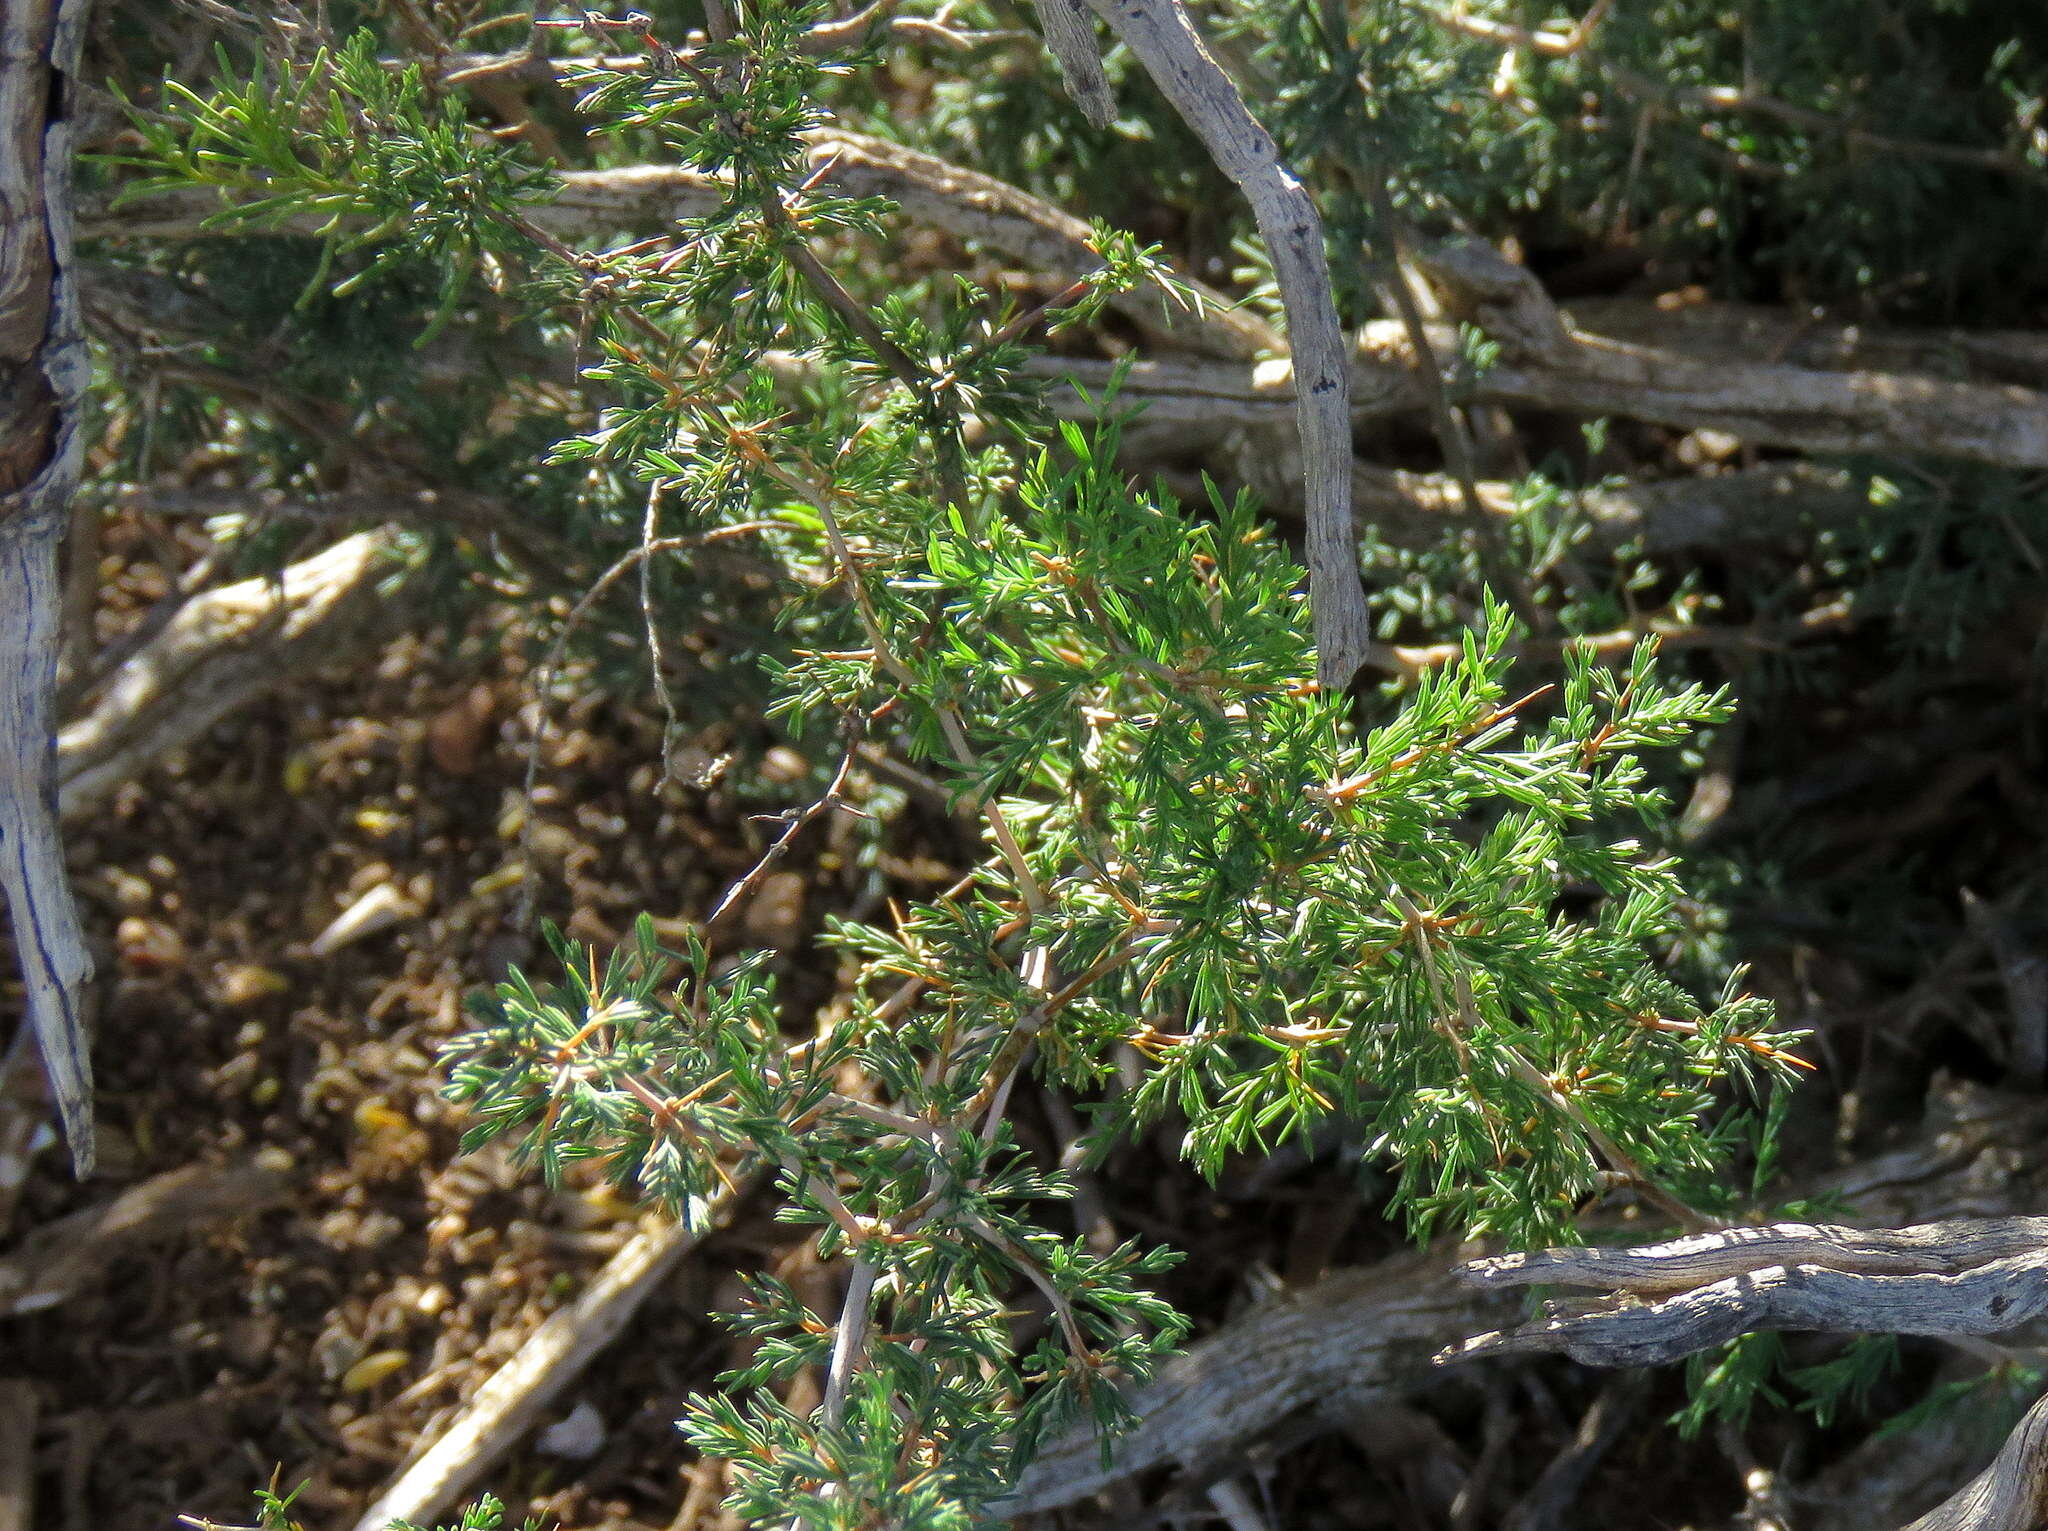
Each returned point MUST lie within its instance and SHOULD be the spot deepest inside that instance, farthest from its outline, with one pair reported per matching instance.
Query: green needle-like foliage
(1211, 895)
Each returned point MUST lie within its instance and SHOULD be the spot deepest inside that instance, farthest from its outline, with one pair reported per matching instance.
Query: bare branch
(1159, 33)
(649, 198)
(1369, 1334)
(1755, 402)
(1970, 1277)
(42, 356)
(223, 649)
(1071, 40)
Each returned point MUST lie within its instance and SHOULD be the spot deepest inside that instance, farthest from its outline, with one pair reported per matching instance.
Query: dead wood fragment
(53, 1261)
(1892, 393)
(1682, 1264)
(1967, 1277)
(1721, 331)
(44, 372)
(1760, 403)
(491, 1422)
(222, 650)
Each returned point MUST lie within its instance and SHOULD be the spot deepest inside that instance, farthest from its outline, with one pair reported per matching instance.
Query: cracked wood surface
(1360, 1335)
(1811, 1292)
(44, 372)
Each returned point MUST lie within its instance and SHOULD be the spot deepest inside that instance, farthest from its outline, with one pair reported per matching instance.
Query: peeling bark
(1358, 1336)
(43, 376)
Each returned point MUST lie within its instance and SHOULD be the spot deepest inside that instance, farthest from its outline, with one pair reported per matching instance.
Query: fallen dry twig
(554, 1355)
(223, 649)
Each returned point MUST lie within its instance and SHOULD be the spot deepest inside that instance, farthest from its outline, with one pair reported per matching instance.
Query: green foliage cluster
(1210, 896)
(1196, 863)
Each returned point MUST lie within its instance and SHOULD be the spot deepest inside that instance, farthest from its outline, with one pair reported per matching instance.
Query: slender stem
(850, 1342)
(545, 678)
(833, 796)
(657, 662)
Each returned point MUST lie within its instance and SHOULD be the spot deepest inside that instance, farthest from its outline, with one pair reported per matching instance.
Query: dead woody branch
(44, 365)
(1360, 1336)
(1668, 1301)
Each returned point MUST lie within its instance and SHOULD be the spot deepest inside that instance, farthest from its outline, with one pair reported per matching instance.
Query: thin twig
(545, 677)
(832, 797)
(849, 1344)
(657, 665)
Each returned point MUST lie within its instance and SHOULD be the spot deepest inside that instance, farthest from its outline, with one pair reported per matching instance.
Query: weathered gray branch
(1165, 42)
(1965, 1277)
(1682, 1264)
(1759, 402)
(1070, 39)
(43, 376)
(2009, 1495)
(223, 649)
(1717, 332)
(1359, 1335)
(1820, 388)
(594, 204)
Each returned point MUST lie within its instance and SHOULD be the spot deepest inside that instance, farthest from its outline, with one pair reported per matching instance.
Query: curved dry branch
(1360, 1334)
(1761, 403)
(1965, 1277)
(1681, 1264)
(1814, 1295)
(966, 204)
(46, 371)
(1165, 42)
(222, 650)
(2009, 1495)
